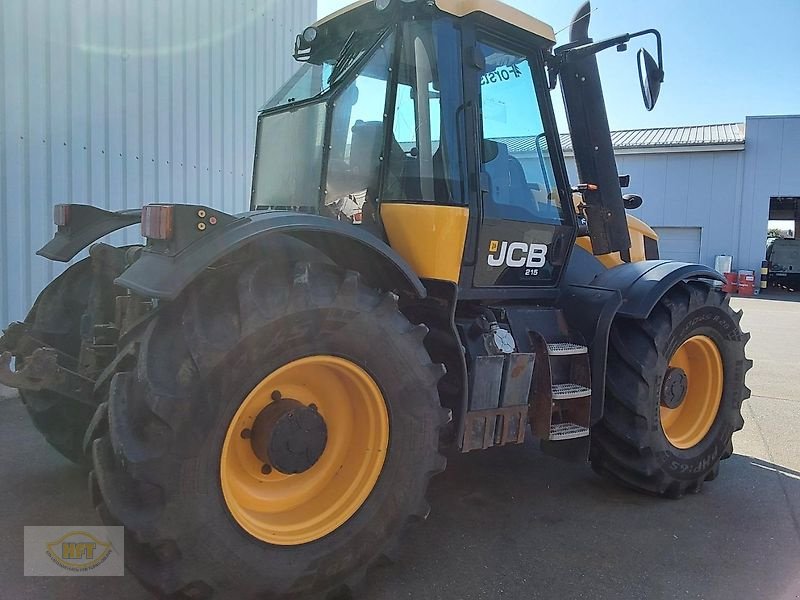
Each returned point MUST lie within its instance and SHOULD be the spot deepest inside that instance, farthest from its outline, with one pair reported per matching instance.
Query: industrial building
(708, 190)
(120, 104)
(124, 104)
(711, 190)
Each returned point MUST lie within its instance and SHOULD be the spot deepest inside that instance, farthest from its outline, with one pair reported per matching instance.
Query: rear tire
(56, 319)
(158, 470)
(631, 444)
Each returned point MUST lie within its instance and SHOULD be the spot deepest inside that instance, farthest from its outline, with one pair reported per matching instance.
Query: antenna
(583, 16)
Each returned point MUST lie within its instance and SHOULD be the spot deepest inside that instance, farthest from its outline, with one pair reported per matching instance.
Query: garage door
(679, 243)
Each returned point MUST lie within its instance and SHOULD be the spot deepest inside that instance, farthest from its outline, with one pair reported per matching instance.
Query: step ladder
(545, 382)
(561, 406)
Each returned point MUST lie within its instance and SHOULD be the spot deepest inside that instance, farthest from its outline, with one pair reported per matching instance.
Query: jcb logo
(517, 254)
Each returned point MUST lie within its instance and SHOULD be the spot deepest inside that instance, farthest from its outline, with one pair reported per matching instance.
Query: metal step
(567, 391)
(566, 349)
(567, 431)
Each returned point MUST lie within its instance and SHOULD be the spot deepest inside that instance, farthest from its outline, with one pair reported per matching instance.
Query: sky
(723, 59)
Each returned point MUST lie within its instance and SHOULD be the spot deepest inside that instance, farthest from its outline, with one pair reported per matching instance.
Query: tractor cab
(434, 130)
(430, 124)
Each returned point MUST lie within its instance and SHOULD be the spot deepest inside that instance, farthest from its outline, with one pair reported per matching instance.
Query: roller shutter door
(679, 243)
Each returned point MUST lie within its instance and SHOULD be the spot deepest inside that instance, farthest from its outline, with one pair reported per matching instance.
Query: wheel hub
(289, 436)
(342, 448)
(674, 388)
(691, 395)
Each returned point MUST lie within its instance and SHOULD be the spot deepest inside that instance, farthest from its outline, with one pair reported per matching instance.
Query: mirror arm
(579, 50)
(573, 53)
(659, 51)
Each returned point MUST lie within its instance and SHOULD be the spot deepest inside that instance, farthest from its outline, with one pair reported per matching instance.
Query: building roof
(660, 138)
(699, 135)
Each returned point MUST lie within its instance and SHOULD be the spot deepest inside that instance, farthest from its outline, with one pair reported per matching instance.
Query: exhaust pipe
(591, 141)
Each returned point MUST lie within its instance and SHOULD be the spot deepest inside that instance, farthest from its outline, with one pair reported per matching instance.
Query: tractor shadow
(505, 523)
(514, 523)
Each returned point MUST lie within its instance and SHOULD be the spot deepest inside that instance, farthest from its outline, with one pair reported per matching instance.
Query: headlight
(310, 34)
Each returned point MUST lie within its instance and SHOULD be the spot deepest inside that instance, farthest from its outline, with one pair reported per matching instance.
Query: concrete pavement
(512, 523)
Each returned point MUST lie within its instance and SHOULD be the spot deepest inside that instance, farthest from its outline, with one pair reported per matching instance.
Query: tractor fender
(643, 284)
(628, 290)
(164, 275)
(87, 225)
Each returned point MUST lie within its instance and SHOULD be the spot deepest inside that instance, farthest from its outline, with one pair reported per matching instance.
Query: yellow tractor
(262, 398)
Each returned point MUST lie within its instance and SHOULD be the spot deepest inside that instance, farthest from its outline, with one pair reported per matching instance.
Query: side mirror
(651, 76)
(632, 201)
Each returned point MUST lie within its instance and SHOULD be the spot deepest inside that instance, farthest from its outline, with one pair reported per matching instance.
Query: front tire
(674, 391)
(202, 518)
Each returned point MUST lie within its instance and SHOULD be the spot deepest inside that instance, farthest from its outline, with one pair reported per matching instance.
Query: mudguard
(643, 284)
(87, 225)
(164, 274)
(629, 290)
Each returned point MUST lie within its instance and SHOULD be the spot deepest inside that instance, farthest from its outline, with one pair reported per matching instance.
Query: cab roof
(462, 8)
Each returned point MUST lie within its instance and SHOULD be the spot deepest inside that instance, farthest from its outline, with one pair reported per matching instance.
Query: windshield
(324, 69)
(295, 143)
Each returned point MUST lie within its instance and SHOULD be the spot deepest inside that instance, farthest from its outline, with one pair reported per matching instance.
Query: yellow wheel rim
(687, 425)
(296, 509)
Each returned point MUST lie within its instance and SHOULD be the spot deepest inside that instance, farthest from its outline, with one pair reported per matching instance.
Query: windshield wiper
(343, 60)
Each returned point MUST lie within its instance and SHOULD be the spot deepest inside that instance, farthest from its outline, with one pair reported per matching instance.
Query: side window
(423, 163)
(357, 136)
(516, 159)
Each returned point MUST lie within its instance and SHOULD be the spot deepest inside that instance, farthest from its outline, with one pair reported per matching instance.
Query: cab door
(525, 232)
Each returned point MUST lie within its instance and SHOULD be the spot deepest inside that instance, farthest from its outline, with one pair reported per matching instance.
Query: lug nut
(246, 434)
(266, 470)
(276, 395)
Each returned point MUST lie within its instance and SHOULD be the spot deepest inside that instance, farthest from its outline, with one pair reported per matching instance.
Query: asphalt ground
(513, 523)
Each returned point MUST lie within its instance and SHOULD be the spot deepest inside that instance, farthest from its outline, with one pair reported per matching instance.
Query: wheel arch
(296, 236)
(643, 284)
(87, 224)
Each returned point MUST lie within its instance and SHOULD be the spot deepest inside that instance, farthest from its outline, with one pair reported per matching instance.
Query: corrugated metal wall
(726, 193)
(772, 168)
(691, 189)
(119, 103)
(699, 189)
